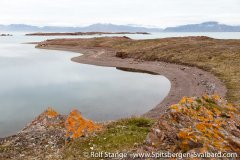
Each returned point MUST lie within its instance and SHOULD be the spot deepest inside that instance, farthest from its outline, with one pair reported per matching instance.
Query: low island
(4, 35)
(80, 33)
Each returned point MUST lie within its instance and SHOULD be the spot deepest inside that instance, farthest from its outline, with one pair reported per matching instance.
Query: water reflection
(33, 79)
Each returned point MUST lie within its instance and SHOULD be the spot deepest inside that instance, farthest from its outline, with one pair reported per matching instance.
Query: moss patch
(122, 135)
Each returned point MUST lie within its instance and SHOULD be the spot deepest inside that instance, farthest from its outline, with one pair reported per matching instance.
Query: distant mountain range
(92, 28)
(203, 27)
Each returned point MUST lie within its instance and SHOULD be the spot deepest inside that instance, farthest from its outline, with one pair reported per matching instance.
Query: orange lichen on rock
(77, 126)
(203, 123)
(46, 120)
(51, 112)
(47, 116)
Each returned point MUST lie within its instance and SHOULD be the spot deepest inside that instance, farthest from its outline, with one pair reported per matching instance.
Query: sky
(158, 13)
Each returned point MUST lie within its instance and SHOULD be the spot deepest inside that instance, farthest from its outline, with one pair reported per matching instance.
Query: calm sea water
(32, 80)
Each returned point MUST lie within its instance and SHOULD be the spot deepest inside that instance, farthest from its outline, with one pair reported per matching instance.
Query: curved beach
(185, 80)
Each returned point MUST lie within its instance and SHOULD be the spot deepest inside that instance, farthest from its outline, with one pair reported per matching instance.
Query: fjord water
(33, 79)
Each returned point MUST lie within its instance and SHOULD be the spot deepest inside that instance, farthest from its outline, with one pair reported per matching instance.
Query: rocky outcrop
(45, 137)
(197, 124)
(77, 126)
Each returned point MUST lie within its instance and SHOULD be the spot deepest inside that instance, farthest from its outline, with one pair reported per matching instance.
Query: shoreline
(185, 80)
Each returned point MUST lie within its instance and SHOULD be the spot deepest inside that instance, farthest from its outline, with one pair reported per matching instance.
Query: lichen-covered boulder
(45, 136)
(46, 120)
(77, 126)
(208, 123)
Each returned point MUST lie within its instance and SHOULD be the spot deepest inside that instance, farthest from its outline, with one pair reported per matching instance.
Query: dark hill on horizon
(204, 27)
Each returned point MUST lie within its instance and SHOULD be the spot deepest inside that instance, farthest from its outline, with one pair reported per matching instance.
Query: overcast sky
(159, 13)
